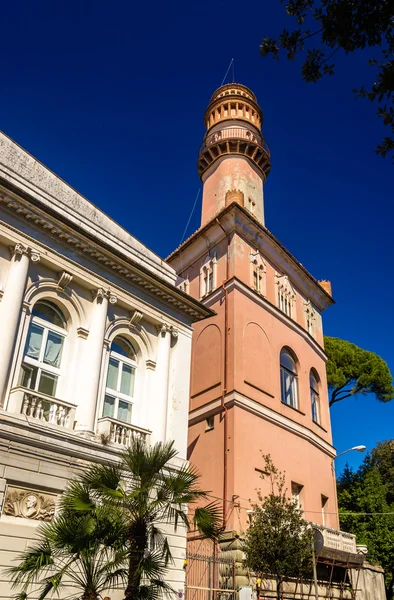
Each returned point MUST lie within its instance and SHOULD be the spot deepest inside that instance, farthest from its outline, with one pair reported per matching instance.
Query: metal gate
(209, 576)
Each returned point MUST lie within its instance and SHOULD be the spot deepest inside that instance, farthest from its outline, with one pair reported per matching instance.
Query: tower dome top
(233, 89)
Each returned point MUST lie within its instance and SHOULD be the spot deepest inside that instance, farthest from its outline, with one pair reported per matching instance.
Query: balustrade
(49, 410)
(120, 433)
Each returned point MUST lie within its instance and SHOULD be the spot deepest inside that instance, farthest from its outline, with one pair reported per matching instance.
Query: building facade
(95, 347)
(258, 383)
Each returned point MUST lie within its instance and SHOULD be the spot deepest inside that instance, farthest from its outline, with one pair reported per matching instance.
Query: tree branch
(333, 400)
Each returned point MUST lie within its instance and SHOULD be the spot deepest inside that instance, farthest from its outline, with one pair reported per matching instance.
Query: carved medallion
(29, 505)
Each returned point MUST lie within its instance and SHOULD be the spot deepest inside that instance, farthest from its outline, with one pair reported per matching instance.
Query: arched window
(119, 391)
(315, 399)
(288, 378)
(41, 367)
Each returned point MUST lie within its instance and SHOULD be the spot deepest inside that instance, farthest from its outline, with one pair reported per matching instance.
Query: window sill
(293, 408)
(320, 426)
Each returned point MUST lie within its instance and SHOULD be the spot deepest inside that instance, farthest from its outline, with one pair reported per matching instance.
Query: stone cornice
(235, 283)
(235, 218)
(81, 243)
(235, 398)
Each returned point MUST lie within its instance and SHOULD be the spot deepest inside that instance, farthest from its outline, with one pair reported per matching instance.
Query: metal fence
(209, 575)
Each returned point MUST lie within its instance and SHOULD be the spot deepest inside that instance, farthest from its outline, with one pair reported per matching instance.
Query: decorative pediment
(257, 260)
(284, 285)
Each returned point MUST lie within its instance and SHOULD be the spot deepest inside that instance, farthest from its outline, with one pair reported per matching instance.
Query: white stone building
(95, 347)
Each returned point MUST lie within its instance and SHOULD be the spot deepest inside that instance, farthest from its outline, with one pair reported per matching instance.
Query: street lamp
(358, 448)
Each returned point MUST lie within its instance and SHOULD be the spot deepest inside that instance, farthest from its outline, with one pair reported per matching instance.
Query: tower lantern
(234, 159)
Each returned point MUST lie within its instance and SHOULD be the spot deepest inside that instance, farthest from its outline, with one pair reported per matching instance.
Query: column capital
(163, 328)
(101, 294)
(21, 250)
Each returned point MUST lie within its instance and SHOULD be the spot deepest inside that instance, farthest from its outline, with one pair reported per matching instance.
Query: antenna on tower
(229, 67)
(233, 70)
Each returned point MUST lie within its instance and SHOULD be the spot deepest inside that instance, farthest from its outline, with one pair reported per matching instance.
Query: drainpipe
(224, 387)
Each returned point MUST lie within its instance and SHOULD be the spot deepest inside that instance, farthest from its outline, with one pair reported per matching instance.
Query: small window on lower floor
(210, 423)
(324, 507)
(296, 494)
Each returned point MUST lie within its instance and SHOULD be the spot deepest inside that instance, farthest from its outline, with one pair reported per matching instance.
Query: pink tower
(258, 382)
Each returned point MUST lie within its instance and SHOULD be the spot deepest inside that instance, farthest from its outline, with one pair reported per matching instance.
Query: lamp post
(357, 448)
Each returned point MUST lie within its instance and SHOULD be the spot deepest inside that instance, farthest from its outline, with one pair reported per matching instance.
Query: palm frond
(207, 519)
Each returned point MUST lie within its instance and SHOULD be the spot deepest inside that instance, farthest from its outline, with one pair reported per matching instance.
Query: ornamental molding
(283, 283)
(28, 504)
(257, 259)
(65, 279)
(135, 318)
(82, 244)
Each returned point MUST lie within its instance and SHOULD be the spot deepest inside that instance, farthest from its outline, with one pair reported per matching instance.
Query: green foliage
(109, 531)
(150, 493)
(352, 370)
(326, 27)
(278, 543)
(367, 491)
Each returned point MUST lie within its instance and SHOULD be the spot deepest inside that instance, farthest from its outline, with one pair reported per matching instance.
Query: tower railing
(234, 133)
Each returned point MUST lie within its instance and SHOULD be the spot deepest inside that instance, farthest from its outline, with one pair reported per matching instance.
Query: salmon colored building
(258, 382)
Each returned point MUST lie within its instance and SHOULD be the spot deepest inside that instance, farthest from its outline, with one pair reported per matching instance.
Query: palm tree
(152, 494)
(83, 551)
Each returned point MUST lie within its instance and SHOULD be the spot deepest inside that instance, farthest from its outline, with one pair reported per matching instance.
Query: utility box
(246, 593)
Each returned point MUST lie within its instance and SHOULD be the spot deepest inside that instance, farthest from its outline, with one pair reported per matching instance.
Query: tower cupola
(233, 122)
(234, 159)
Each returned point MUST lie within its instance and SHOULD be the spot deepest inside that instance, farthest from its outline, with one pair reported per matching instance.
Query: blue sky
(111, 97)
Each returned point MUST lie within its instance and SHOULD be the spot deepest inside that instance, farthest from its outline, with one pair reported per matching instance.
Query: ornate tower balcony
(233, 120)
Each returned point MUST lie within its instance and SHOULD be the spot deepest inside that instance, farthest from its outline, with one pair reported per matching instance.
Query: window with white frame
(324, 506)
(286, 295)
(288, 378)
(296, 494)
(310, 317)
(208, 276)
(258, 273)
(42, 358)
(119, 390)
(315, 398)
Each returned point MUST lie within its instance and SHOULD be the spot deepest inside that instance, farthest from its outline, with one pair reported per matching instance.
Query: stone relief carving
(28, 504)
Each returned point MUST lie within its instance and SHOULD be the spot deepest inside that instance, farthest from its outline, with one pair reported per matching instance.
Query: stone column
(91, 361)
(10, 308)
(160, 398)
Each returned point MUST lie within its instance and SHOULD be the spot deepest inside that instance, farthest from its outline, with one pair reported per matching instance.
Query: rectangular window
(315, 406)
(296, 492)
(288, 388)
(127, 380)
(124, 411)
(109, 407)
(324, 507)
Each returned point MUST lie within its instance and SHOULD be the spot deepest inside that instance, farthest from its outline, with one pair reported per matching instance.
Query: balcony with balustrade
(243, 141)
(43, 409)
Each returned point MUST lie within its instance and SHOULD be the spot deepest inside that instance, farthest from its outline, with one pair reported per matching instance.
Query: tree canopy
(366, 507)
(322, 28)
(352, 370)
(278, 543)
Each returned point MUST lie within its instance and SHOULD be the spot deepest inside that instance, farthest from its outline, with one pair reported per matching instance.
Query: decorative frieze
(28, 504)
(58, 230)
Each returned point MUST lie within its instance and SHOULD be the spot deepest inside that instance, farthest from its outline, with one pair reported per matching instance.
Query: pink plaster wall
(231, 173)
